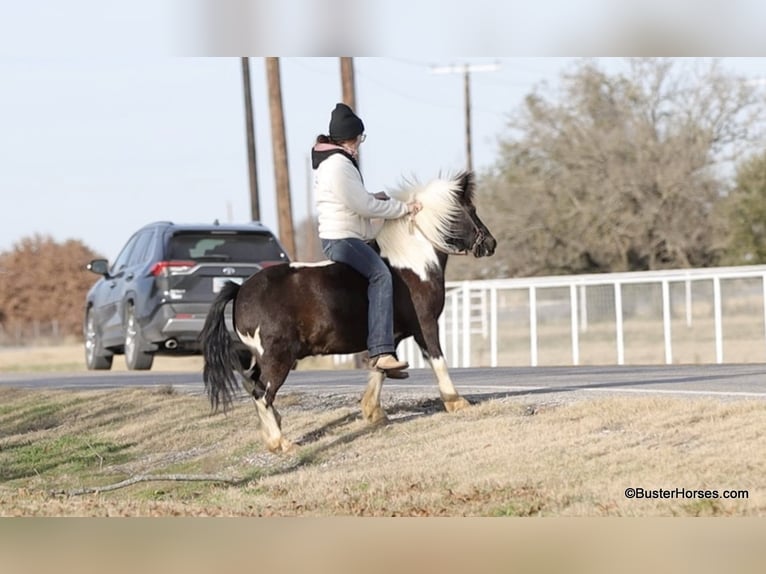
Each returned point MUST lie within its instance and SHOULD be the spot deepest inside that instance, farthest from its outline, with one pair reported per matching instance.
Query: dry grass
(508, 456)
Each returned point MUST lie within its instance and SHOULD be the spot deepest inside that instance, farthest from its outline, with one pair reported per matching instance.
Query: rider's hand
(413, 207)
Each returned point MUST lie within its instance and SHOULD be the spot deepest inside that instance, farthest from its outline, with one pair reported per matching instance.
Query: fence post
(493, 327)
(443, 335)
(574, 323)
(718, 326)
(763, 287)
(583, 310)
(666, 322)
(466, 324)
(618, 323)
(688, 303)
(533, 325)
(455, 330)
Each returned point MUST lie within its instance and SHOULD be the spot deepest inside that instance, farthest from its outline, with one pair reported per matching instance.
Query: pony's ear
(467, 184)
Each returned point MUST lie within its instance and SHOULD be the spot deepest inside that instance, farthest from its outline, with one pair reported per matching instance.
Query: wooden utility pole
(347, 82)
(255, 212)
(467, 97)
(348, 87)
(279, 146)
(466, 71)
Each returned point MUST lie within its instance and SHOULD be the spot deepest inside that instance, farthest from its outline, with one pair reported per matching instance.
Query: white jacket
(344, 206)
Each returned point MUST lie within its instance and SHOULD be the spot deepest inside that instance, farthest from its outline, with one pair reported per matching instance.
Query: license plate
(219, 282)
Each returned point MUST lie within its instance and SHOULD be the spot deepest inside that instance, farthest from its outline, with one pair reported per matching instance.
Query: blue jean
(380, 290)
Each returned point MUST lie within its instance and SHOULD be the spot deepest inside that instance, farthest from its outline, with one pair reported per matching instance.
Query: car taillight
(171, 267)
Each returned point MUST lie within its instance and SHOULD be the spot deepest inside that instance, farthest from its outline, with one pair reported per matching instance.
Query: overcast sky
(96, 143)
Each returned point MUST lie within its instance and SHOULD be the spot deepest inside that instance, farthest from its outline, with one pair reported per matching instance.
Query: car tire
(136, 359)
(96, 359)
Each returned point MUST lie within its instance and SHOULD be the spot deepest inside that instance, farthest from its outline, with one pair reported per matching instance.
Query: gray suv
(155, 296)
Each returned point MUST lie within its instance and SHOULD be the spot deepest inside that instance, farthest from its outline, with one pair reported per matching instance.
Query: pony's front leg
(371, 408)
(271, 427)
(449, 395)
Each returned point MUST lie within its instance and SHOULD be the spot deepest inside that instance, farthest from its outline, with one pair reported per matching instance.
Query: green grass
(62, 455)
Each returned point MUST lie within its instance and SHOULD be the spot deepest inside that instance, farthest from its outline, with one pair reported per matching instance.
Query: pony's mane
(412, 247)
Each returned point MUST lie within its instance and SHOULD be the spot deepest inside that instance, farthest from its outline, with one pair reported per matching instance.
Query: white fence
(712, 315)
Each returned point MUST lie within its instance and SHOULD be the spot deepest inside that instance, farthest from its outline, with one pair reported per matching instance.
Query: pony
(287, 312)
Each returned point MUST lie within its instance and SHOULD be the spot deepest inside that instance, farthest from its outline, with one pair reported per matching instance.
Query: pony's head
(449, 219)
(448, 223)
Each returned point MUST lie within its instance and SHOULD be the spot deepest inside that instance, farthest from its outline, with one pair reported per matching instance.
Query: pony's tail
(221, 360)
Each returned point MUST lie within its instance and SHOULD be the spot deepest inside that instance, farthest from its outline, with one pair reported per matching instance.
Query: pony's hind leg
(371, 408)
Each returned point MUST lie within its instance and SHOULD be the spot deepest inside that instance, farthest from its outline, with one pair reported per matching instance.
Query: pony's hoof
(281, 446)
(378, 417)
(375, 415)
(455, 405)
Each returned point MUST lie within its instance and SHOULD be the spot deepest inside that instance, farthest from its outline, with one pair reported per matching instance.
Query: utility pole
(279, 145)
(312, 233)
(466, 70)
(348, 87)
(349, 98)
(347, 82)
(255, 212)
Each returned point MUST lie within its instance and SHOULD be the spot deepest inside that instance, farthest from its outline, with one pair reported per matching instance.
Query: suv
(156, 295)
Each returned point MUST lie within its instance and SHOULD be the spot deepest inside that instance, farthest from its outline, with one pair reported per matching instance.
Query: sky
(101, 133)
(94, 148)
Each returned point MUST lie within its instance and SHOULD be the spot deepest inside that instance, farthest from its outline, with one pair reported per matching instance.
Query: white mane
(409, 246)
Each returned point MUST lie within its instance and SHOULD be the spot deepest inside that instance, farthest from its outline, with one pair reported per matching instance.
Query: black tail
(221, 360)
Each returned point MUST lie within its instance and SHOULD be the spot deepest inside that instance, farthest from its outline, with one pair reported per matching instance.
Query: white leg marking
(371, 400)
(270, 430)
(253, 342)
(439, 367)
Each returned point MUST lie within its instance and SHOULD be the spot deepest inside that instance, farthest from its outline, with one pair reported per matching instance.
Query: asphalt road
(732, 381)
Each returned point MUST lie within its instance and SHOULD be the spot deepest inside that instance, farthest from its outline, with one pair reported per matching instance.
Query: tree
(44, 281)
(745, 212)
(618, 172)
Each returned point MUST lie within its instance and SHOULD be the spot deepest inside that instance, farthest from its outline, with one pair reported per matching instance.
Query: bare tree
(621, 172)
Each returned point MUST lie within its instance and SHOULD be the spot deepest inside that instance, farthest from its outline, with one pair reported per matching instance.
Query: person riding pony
(345, 209)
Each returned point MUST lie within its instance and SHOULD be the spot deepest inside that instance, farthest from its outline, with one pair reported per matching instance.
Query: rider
(345, 209)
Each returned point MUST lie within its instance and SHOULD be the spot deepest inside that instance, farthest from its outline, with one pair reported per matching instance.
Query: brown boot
(387, 362)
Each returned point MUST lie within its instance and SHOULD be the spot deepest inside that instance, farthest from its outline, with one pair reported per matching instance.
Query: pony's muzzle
(485, 247)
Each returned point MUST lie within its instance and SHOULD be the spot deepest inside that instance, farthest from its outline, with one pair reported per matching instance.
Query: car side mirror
(99, 266)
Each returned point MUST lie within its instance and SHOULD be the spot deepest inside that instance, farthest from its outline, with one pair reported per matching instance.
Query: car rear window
(241, 247)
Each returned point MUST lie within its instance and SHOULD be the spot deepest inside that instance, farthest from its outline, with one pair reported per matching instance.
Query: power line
(388, 88)
(466, 70)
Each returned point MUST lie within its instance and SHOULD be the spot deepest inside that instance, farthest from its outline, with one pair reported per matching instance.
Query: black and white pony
(286, 312)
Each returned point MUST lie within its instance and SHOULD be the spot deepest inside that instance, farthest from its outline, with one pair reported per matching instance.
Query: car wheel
(96, 359)
(135, 358)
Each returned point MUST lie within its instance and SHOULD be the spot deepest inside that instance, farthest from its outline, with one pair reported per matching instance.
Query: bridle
(480, 234)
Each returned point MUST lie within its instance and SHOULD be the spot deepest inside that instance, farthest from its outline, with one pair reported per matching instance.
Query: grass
(508, 456)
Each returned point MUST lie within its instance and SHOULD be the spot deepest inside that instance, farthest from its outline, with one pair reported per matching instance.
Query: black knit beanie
(345, 124)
